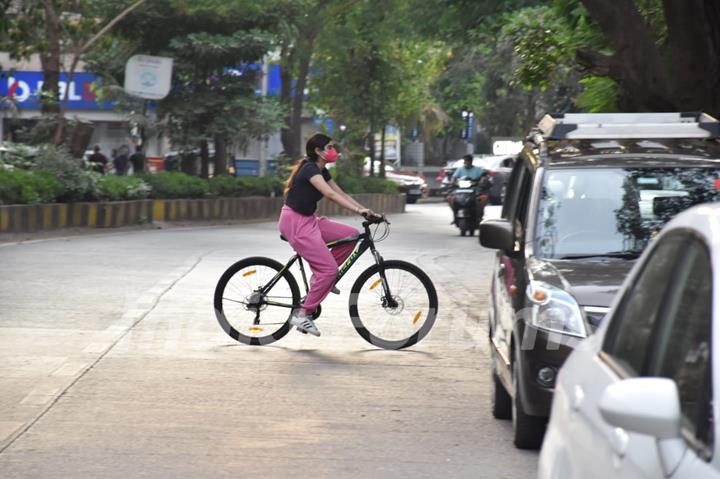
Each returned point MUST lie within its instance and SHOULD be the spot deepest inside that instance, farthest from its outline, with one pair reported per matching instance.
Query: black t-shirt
(303, 197)
(138, 161)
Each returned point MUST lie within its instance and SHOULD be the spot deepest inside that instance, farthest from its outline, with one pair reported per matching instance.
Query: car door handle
(578, 397)
(619, 440)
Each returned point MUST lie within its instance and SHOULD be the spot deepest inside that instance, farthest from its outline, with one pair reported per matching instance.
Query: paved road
(112, 365)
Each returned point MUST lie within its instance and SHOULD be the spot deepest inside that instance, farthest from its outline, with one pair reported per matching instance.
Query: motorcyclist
(467, 170)
(471, 172)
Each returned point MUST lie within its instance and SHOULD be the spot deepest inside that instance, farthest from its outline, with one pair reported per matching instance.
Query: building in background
(21, 82)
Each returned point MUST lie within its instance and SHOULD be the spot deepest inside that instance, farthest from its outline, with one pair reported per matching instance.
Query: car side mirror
(648, 406)
(497, 234)
(644, 405)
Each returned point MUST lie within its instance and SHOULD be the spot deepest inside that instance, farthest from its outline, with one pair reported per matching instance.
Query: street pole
(263, 139)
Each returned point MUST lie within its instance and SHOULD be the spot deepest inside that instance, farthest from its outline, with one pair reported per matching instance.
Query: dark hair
(468, 158)
(318, 140)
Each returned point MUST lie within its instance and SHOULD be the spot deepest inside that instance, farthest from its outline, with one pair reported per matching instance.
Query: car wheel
(528, 430)
(501, 400)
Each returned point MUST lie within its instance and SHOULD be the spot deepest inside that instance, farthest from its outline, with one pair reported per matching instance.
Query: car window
(513, 190)
(629, 333)
(596, 211)
(681, 349)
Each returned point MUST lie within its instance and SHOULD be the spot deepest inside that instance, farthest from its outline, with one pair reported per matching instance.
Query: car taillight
(492, 173)
(440, 176)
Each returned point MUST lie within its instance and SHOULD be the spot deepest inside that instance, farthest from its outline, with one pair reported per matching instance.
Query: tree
(214, 45)
(55, 29)
(371, 72)
(690, 77)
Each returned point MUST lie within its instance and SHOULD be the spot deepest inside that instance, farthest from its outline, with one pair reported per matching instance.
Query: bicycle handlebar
(375, 219)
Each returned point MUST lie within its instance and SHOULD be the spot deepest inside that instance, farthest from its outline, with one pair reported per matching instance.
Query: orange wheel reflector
(250, 273)
(417, 316)
(255, 329)
(374, 285)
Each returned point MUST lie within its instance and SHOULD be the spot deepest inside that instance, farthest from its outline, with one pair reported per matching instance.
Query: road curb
(48, 217)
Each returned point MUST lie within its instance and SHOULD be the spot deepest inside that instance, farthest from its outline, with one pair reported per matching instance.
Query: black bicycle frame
(365, 242)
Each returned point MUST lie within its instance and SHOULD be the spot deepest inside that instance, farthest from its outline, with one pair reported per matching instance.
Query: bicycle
(393, 304)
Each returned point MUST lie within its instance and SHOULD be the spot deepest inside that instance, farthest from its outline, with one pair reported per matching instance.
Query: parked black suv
(588, 193)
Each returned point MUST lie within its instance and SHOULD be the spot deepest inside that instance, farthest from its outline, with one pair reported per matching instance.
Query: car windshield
(614, 212)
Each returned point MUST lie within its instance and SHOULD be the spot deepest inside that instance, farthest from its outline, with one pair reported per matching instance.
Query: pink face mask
(331, 155)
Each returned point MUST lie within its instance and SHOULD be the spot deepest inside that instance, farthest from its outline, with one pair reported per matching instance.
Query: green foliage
(28, 187)
(176, 185)
(541, 43)
(120, 188)
(213, 95)
(599, 95)
(79, 184)
(354, 184)
(16, 155)
(371, 71)
(227, 185)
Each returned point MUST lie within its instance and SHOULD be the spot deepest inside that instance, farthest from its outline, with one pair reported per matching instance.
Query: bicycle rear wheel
(241, 308)
(400, 321)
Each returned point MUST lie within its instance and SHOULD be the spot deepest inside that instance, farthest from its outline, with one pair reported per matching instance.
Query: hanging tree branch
(77, 54)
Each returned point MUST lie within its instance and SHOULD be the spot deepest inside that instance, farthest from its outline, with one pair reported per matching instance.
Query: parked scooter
(468, 202)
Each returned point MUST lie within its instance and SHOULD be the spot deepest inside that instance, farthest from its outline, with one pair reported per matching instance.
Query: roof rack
(589, 126)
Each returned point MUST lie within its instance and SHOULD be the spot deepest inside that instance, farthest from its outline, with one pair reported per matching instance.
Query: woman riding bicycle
(308, 233)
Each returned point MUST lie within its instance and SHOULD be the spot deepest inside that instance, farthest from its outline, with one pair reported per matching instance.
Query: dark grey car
(577, 213)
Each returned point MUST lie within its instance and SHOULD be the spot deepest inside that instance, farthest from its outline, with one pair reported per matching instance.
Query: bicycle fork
(389, 301)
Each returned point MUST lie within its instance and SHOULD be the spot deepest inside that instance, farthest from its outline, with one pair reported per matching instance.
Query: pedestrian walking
(138, 161)
(121, 161)
(308, 233)
(98, 161)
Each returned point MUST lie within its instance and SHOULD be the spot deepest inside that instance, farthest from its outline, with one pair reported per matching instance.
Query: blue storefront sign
(23, 88)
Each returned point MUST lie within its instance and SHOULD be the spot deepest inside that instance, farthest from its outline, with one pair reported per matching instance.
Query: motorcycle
(468, 202)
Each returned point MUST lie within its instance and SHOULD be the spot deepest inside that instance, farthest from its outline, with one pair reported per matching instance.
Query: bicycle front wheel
(245, 312)
(401, 319)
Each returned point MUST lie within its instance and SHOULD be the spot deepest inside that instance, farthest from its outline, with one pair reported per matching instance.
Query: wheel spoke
(244, 313)
(413, 312)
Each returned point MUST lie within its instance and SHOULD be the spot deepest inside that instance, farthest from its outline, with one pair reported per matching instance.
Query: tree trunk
(636, 65)
(382, 153)
(295, 57)
(371, 137)
(298, 100)
(287, 134)
(204, 159)
(531, 100)
(694, 44)
(220, 156)
(50, 60)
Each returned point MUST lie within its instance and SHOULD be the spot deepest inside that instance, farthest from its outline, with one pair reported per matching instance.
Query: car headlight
(555, 310)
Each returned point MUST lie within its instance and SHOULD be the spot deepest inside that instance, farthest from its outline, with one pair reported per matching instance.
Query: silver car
(636, 399)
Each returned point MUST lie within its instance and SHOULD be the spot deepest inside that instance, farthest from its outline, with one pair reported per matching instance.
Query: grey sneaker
(304, 324)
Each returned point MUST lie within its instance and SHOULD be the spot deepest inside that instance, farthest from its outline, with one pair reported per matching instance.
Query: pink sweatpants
(307, 235)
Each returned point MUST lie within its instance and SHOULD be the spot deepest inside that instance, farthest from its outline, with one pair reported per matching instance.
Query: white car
(636, 399)
(414, 187)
